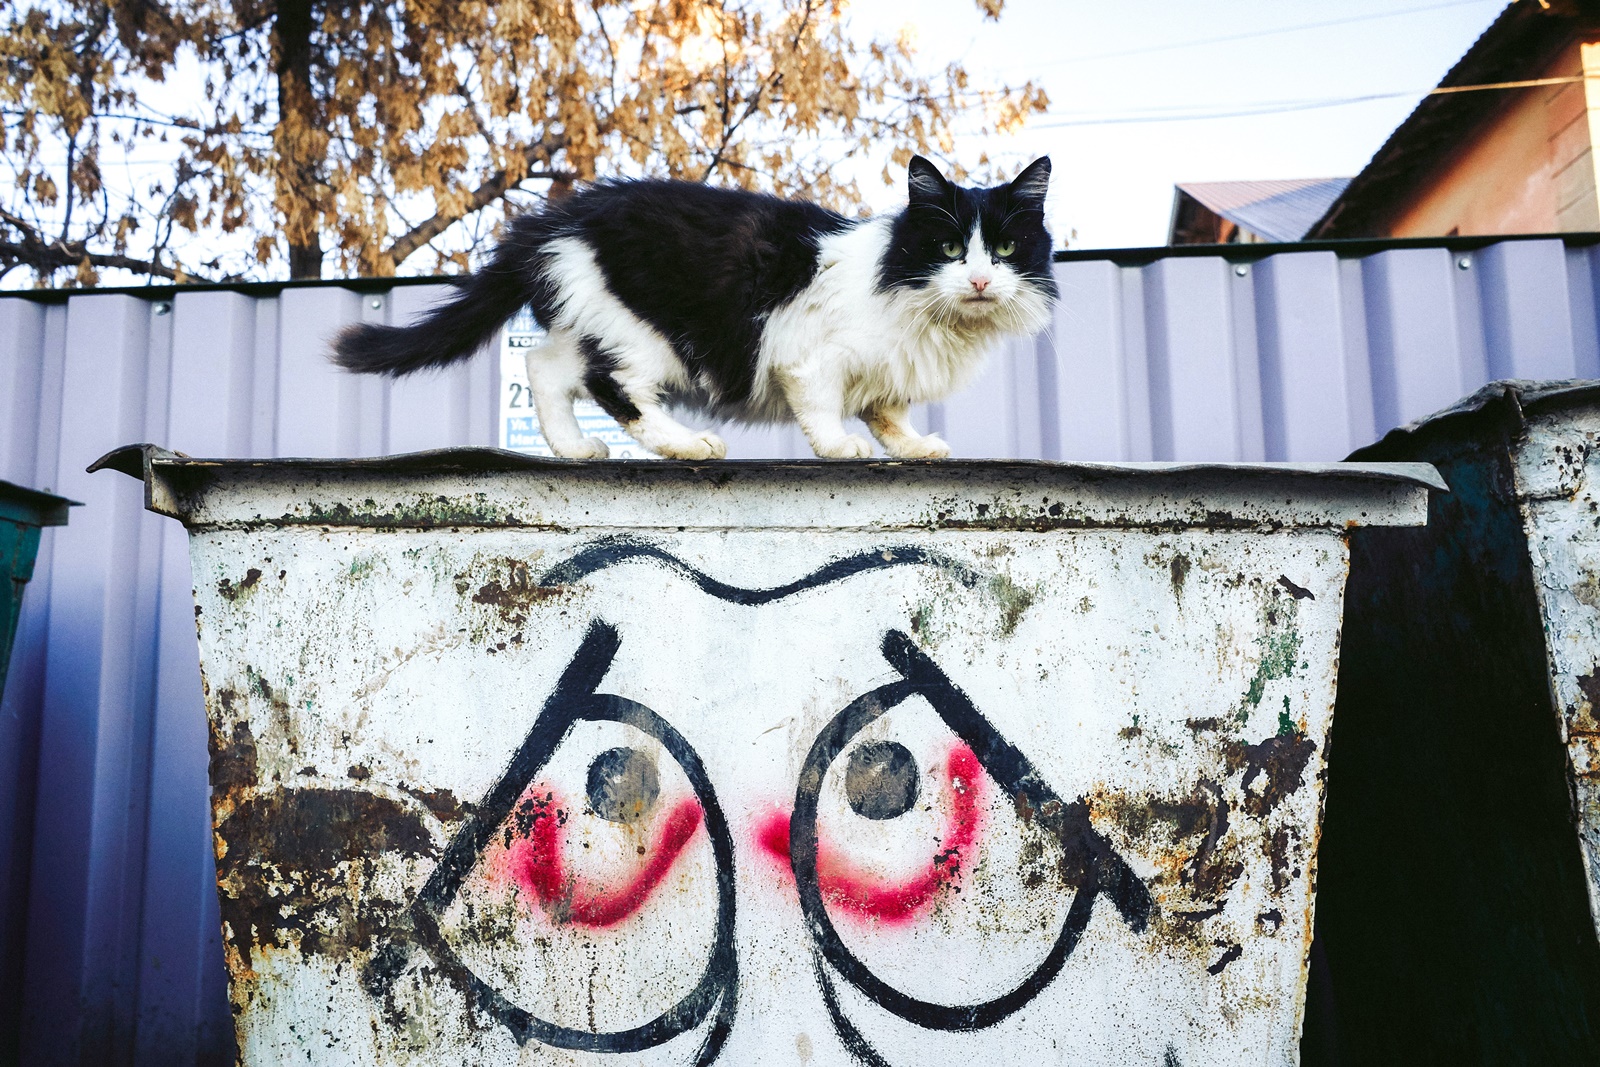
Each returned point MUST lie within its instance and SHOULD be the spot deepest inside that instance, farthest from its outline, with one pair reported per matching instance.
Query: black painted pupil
(881, 780)
(623, 785)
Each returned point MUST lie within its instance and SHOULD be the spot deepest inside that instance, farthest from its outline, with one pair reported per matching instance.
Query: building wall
(111, 952)
(1529, 169)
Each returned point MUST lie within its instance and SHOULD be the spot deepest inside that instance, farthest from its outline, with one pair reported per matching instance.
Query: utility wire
(1279, 107)
(1254, 34)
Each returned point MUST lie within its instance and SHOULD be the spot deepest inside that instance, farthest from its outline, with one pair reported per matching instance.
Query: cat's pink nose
(980, 283)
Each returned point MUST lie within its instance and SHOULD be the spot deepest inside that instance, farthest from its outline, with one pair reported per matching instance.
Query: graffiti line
(611, 551)
(859, 1048)
(1087, 858)
(575, 699)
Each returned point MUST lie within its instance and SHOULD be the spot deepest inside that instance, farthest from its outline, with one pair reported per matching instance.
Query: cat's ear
(1034, 181)
(924, 182)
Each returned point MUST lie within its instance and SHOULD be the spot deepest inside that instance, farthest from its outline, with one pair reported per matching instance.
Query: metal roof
(1279, 210)
(1523, 38)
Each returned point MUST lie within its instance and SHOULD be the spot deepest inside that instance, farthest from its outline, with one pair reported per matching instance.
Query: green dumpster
(22, 513)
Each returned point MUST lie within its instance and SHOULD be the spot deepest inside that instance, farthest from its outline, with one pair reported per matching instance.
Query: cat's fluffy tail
(451, 331)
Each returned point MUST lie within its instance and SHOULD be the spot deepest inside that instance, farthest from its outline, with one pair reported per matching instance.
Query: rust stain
(1165, 827)
(233, 591)
(1277, 848)
(1180, 567)
(446, 807)
(298, 868)
(233, 755)
(515, 592)
(1186, 838)
(1280, 762)
(1587, 720)
(1214, 869)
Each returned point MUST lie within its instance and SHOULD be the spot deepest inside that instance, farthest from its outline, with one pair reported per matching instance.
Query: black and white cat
(657, 293)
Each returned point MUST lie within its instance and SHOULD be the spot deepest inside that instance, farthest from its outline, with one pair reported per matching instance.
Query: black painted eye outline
(575, 700)
(1099, 867)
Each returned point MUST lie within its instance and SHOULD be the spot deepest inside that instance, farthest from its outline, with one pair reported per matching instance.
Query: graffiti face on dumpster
(654, 794)
(830, 799)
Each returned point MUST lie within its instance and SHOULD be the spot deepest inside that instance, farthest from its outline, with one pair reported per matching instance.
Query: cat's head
(974, 256)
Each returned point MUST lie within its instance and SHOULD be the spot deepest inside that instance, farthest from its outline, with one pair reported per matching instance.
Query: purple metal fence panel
(110, 942)
(111, 948)
(30, 381)
(1084, 400)
(1527, 314)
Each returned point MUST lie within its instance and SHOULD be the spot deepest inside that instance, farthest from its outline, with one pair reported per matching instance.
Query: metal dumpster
(523, 761)
(1460, 876)
(22, 513)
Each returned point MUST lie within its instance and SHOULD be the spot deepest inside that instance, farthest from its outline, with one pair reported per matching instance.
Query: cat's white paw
(851, 446)
(928, 446)
(700, 446)
(588, 448)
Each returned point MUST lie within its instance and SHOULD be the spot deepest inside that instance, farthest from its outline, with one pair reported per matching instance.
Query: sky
(1113, 69)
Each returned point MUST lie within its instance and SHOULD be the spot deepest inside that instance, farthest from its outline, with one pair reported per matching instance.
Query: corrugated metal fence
(110, 950)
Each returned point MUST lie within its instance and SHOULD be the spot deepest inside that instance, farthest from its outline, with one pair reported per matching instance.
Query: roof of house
(1521, 40)
(1276, 210)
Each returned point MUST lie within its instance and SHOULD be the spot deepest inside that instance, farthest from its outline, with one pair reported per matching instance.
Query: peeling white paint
(1555, 463)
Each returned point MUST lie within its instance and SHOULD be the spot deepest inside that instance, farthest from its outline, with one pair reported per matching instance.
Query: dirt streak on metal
(1200, 838)
(315, 870)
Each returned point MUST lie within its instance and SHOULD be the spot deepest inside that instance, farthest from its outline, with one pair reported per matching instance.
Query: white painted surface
(1557, 465)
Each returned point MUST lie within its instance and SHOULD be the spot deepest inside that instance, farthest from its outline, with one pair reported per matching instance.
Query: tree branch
(56, 256)
(491, 190)
(24, 247)
(769, 84)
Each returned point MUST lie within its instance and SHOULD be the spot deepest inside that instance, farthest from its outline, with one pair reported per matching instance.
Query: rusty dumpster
(1460, 876)
(524, 761)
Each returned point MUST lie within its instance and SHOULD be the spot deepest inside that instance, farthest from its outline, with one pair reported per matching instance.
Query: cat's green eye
(951, 249)
(1005, 248)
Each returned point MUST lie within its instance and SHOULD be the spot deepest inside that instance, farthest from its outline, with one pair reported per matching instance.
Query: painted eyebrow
(611, 551)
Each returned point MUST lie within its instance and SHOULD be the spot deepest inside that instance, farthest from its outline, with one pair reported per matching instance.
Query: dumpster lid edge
(138, 460)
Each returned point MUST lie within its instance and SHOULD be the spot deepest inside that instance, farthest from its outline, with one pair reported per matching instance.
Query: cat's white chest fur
(844, 335)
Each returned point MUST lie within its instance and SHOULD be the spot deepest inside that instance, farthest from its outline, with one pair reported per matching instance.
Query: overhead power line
(1255, 34)
(1280, 107)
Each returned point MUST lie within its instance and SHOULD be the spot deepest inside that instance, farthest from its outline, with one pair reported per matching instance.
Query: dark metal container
(1460, 870)
(22, 513)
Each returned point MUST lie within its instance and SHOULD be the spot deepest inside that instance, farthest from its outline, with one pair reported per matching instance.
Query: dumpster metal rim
(135, 460)
(491, 488)
(1519, 396)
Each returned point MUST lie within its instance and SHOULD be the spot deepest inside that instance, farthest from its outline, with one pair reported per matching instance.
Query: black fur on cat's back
(703, 265)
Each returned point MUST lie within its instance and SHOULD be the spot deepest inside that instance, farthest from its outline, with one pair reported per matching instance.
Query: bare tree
(290, 135)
